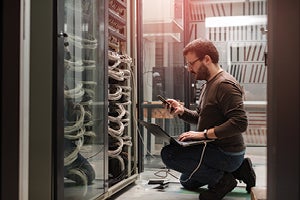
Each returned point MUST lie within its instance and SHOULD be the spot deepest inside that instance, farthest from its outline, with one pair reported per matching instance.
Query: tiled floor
(141, 190)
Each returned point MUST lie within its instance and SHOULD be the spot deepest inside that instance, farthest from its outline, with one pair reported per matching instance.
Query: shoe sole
(203, 195)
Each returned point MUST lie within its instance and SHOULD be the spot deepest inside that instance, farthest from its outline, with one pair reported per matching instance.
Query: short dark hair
(202, 47)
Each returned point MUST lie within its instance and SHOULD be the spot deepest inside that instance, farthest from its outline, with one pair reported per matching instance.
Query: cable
(167, 171)
(199, 164)
(73, 156)
(79, 121)
(76, 92)
(116, 152)
(83, 43)
(115, 93)
(113, 132)
(78, 134)
(98, 152)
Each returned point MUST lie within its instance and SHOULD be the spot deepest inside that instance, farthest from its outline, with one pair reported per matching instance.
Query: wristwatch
(205, 134)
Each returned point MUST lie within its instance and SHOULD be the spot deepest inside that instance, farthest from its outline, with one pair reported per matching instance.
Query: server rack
(98, 136)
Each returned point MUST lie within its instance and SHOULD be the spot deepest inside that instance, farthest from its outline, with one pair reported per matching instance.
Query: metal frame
(58, 105)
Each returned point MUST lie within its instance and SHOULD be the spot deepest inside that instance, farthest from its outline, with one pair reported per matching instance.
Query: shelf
(121, 3)
(116, 34)
(116, 17)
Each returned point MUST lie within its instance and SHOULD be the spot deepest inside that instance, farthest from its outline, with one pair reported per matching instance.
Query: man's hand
(190, 135)
(174, 107)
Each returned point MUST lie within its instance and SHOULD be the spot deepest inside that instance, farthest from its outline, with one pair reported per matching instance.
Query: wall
(283, 100)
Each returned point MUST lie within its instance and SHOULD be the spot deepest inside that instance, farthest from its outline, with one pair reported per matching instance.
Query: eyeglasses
(189, 64)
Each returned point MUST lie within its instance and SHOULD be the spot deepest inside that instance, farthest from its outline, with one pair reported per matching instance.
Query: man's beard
(202, 73)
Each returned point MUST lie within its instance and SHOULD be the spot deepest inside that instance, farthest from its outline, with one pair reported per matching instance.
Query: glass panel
(163, 68)
(84, 94)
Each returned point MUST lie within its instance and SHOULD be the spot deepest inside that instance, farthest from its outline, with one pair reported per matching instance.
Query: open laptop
(156, 130)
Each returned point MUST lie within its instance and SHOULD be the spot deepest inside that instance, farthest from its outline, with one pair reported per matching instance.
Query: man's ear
(207, 59)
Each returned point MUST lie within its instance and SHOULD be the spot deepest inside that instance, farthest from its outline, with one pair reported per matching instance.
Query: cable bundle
(78, 116)
(119, 116)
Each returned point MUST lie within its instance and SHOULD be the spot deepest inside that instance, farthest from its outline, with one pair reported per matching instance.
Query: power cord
(166, 171)
(198, 166)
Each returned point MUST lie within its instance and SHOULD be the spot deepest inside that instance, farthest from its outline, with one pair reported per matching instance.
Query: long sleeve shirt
(221, 107)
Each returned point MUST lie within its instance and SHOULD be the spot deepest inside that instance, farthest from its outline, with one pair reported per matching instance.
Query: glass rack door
(85, 112)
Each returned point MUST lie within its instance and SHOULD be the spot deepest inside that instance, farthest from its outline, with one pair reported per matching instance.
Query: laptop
(156, 130)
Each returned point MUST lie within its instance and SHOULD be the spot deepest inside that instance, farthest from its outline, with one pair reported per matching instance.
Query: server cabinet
(85, 100)
(98, 137)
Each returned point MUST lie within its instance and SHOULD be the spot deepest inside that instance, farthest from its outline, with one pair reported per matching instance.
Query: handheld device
(157, 181)
(165, 102)
(162, 99)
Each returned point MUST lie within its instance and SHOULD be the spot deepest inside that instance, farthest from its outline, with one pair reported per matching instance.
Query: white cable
(116, 152)
(121, 111)
(76, 95)
(121, 162)
(73, 156)
(116, 64)
(78, 135)
(88, 116)
(80, 65)
(127, 140)
(126, 120)
(125, 59)
(79, 121)
(90, 133)
(89, 97)
(74, 66)
(82, 43)
(126, 89)
(117, 75)
(120, 75)
(117, 95)
(118, 132)
(127, 74)
(79, 173)
(122, 58)
(113, 55)
(89, 123)
(89, 64)
(76, 92)
(93, 83)
(199, 164)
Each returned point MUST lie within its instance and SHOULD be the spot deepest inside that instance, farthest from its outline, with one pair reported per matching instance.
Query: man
(220, 116)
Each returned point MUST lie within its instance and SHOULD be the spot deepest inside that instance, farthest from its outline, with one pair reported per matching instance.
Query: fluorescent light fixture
(227, 21)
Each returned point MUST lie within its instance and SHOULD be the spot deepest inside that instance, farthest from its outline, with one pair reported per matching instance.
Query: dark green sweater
(221, 107)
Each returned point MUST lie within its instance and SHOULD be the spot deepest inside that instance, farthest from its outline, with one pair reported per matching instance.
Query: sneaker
(246, 174)
(218, 191)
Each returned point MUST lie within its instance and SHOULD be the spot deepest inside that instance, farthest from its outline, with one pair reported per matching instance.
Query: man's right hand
(174, 107)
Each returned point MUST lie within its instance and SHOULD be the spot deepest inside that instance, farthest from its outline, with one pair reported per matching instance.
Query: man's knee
(164, 153)
(167, 152)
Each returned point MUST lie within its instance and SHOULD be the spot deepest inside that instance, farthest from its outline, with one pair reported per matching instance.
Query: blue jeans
(214, 163)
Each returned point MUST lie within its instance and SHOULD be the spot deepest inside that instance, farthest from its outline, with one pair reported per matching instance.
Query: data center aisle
(141, 190)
